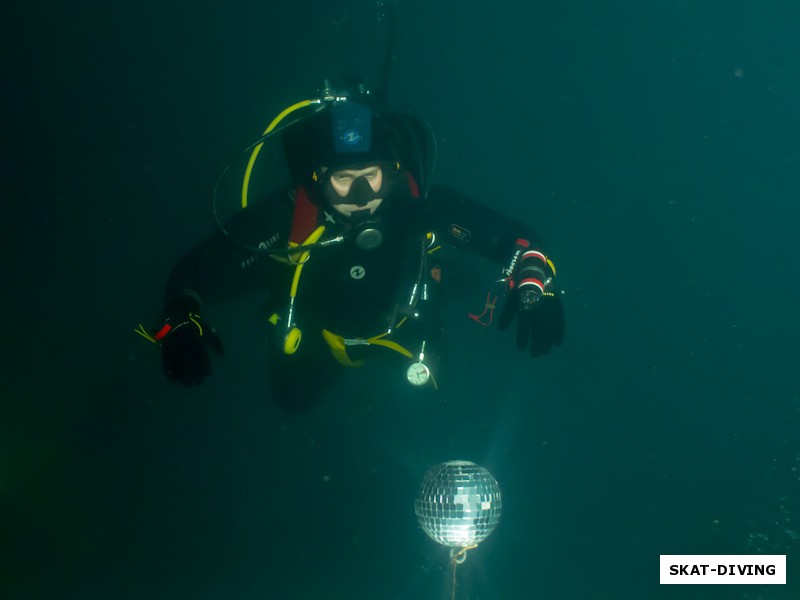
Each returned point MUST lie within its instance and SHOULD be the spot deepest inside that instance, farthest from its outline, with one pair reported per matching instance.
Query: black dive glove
(529, 281)
(183, 341)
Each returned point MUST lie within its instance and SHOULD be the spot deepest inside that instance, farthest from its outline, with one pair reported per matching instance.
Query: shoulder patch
(462, 234)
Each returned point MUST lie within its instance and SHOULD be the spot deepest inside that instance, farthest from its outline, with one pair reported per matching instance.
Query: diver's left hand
(540, 320)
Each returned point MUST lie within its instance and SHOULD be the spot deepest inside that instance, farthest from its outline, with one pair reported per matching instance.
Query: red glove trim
(532, 281)
(534, 254)
(162, 333)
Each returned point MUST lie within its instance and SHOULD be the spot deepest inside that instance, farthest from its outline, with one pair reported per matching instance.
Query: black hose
(386, 12)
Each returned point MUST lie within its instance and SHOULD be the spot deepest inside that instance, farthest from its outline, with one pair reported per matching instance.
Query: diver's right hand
(184, 356)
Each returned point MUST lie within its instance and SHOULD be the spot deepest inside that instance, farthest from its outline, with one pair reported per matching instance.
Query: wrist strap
(167, 328)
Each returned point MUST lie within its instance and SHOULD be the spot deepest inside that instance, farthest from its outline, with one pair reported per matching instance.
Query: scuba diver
(348, 256)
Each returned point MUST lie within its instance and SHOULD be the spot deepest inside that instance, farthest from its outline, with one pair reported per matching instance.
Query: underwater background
(654, 145)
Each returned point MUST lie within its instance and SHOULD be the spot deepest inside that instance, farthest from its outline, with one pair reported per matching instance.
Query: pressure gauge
(418, 374)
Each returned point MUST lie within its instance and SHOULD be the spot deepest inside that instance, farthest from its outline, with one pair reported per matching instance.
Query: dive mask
(360, 191)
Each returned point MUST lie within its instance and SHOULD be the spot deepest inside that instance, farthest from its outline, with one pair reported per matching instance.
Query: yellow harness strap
(339, 348)
(336, 342)
(376, 341)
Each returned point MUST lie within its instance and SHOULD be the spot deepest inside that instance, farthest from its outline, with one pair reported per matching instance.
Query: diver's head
(354, 189)
(357, 167)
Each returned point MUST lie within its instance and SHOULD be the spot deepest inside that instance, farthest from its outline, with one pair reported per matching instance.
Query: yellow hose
(301, 260)
(253, 155)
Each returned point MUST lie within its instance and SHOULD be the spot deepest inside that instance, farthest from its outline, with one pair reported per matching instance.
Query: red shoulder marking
(304, 221)
(413, 186)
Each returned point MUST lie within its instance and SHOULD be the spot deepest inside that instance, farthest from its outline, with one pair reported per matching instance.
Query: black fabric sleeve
(466, 223)
(219, 268)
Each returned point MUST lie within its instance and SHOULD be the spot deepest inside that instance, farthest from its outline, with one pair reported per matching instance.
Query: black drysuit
(348, 291)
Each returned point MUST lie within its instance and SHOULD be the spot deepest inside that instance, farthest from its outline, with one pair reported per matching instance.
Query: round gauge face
(418, 374)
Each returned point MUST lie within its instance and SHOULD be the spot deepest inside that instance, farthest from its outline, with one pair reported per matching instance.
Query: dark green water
(656, 148)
